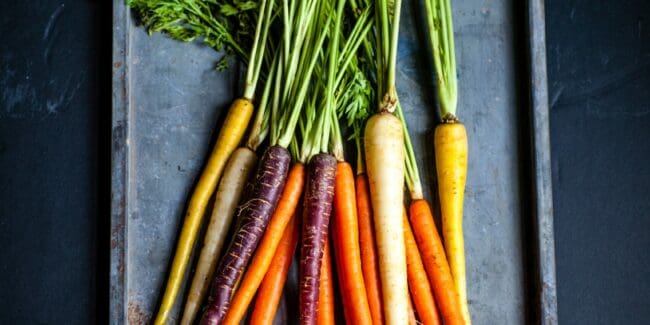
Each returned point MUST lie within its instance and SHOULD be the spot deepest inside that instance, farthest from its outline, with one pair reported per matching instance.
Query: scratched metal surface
(167, 102)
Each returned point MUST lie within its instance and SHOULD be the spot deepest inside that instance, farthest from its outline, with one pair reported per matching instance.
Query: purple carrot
(319, 195)
(253, 215)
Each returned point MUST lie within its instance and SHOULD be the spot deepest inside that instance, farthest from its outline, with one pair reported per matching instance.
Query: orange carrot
(268, 245)
(418, 282)
(342, 283)
(435, 262)
(270, 291)
(345, 226)
(369, 262)
(326, 291)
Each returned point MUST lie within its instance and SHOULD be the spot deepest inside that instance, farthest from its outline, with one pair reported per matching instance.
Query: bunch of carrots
(323, 64)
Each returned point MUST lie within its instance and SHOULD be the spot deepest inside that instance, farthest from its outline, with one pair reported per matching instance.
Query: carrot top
(441, 34)
(301, 47)
(198, 19)
(344, 88)
(388, 15)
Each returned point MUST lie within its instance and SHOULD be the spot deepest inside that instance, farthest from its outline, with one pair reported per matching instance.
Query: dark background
(55, 159)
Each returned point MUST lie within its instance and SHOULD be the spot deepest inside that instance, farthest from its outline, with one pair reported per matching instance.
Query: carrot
(326, 292)
(346, 227)
(319, 194)
(342, 281)
(435, 262)
(368, 250)
(231, 132)
(268, 245)
(253, 214)
(450, 144)
(385, 164)
(270, 291)
(418, 282)
(228, 194)
(451, 164)
(384, 152)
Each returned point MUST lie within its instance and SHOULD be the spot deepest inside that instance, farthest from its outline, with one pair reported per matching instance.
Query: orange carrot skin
(342, 283)
(412, 319)
(346, 227)
(369, 259)
(435, 262)
(418, 282)
(272, 286)
(326, 292)
(268, 245)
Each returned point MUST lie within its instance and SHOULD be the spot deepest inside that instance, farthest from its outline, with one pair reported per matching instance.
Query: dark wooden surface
(55, 96)
(599, 92)
(55, 151)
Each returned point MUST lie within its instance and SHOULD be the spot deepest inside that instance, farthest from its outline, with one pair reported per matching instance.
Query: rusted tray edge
(542, 199)
(119, 162)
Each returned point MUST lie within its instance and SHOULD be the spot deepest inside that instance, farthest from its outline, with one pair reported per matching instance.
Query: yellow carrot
(229, 137)
(450, 143)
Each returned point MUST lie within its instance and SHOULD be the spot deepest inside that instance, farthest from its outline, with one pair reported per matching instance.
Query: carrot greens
(224, 25)
(441, 36)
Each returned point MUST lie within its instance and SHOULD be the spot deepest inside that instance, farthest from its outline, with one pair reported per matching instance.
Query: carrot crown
(388, 31)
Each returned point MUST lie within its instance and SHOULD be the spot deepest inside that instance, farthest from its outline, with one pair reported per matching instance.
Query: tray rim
(544, 277)
(119, 161)
(542, 191)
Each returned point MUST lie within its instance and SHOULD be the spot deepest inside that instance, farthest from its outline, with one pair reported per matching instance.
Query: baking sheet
(168, 101)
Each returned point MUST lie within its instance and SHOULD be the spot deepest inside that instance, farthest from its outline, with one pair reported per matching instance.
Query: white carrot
(227, 197)
(384, 150)
(384, 142)
(228, 194)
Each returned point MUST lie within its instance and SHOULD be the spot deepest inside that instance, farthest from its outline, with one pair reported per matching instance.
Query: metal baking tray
(168, 102)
